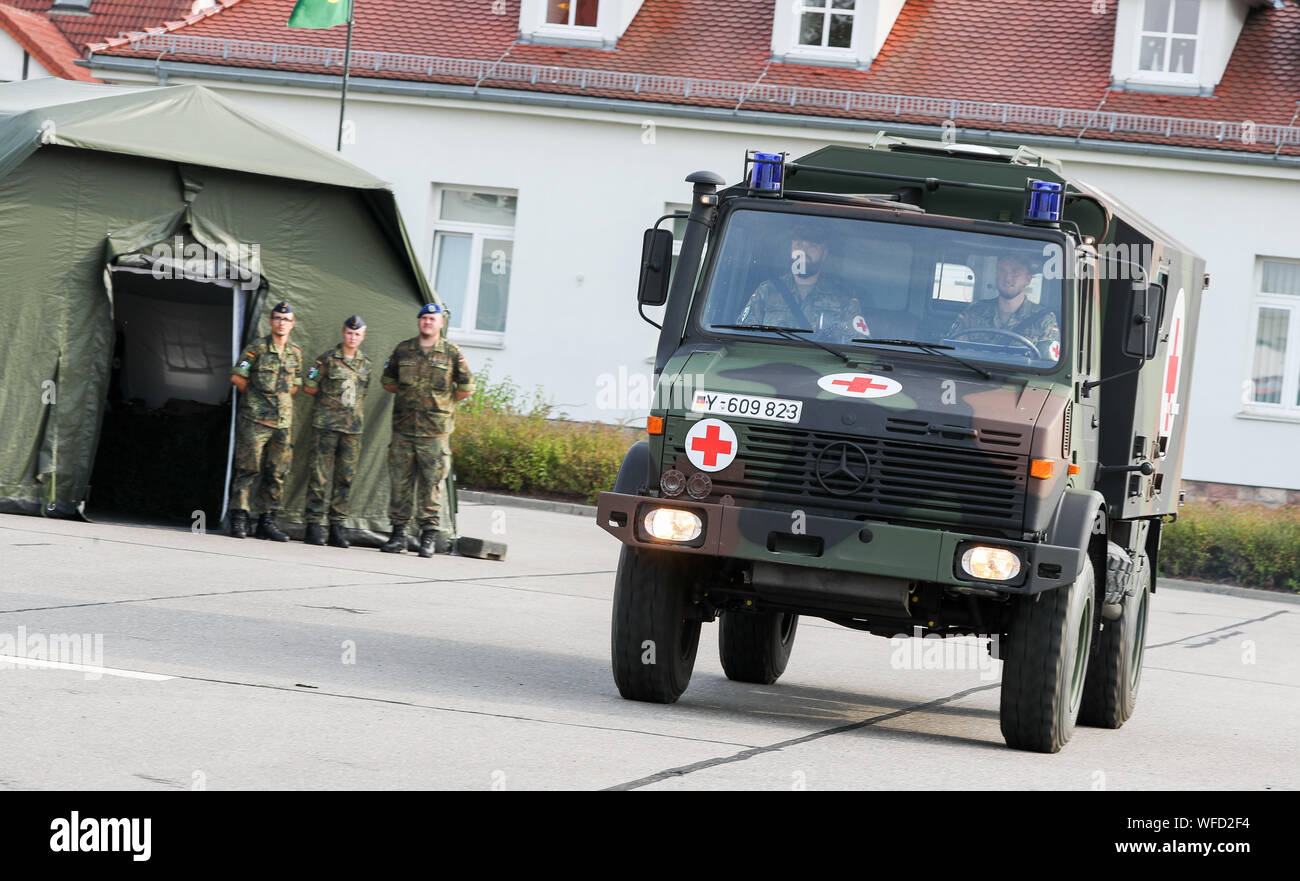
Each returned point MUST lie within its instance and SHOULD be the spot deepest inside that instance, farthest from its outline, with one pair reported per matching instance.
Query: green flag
(320, 13)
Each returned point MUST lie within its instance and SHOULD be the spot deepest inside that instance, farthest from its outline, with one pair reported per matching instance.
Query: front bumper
(793, 538)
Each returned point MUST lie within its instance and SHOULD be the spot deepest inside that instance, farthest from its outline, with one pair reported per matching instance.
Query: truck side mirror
(1146, 312)
(656, 265)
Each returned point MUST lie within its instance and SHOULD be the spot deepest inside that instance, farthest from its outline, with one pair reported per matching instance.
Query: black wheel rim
(1083, 640)
(1139, 640)
(785, 627)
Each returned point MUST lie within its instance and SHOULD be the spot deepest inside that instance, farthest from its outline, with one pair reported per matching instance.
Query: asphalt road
(251, 665)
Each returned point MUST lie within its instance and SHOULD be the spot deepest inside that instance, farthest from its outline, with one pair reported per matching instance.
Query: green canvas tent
(144, 233)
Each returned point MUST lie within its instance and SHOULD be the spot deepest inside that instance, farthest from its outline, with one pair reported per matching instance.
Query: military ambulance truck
(916, 390)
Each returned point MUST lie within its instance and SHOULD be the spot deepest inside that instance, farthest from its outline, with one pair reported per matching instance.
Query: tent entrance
(167, 436)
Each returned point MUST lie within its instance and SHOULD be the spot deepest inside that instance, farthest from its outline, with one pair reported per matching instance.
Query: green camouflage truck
(913, 389)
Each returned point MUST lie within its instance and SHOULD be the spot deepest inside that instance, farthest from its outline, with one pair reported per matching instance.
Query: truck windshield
(978, 295)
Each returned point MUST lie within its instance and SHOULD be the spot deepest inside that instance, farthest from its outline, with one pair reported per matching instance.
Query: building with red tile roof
(529, 147)
(1013, 66)
(41, 40)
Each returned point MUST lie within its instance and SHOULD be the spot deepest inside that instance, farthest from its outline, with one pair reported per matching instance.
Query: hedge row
(1249, 545)
(508, 439)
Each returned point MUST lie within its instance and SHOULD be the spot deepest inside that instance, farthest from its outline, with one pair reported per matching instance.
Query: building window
(1274, 385)
(473, 255)
(826, 24)
(1167, 43)
(573, 13)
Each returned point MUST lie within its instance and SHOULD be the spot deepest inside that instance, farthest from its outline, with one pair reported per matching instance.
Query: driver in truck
(807, 296)
(1011, 311)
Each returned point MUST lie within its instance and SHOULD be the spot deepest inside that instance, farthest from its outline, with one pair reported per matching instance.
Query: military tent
(144, 234)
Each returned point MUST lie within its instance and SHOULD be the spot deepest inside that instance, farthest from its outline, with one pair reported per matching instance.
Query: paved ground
(287, 666)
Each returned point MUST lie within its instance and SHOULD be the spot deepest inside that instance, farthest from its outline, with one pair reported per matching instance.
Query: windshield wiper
(789, 334)
(931, 348)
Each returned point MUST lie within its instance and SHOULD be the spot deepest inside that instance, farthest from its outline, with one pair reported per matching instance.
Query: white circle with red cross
(1173, 367)
(860, 385)
(711, 445)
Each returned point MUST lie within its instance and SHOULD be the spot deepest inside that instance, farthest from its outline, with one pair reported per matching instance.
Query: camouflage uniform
(828, 308)
(341, 385)
(423, 419)
(1032, 321)
(263, 441)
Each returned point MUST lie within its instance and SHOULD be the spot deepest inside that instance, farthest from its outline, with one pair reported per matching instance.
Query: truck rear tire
(1046, 664)
(755, 647)
(1110, 692)
(655, 634)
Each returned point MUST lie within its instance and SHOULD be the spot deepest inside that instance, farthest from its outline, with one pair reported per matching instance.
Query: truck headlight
(990, 564)
(673, 524)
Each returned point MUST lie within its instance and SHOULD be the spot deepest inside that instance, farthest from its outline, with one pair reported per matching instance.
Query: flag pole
(347, 65)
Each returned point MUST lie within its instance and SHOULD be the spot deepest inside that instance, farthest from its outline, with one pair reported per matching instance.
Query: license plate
(749, 406)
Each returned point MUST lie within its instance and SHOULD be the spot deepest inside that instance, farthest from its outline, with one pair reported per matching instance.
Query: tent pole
(347, 66)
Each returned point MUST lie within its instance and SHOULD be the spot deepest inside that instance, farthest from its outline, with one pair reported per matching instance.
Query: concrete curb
(1250, 593)
(482, 498)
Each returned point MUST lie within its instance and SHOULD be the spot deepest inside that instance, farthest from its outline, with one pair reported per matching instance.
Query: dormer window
(1168, 40)
(572, 13)
(594, 24)
(832, 33)
(827, 24)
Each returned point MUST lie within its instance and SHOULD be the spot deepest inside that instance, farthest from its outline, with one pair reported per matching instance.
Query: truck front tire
(1110, 693)
(755, 647)
(655, 633)
(1046, 664)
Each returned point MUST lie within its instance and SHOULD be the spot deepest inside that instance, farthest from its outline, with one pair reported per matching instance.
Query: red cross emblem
(1171, 379)
(711, 445)
(859, 384)
(860, 325)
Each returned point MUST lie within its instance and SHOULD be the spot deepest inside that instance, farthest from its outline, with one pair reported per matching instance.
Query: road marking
(22, 663)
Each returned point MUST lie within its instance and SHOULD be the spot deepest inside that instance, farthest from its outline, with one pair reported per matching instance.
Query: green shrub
(1250, 545)
(508, 439)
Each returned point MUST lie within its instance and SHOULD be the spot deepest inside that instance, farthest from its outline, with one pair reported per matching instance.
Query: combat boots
(267, 529)
(239, 524)
(396, 543)
(315, 534)
(337, 538)
(428, 542)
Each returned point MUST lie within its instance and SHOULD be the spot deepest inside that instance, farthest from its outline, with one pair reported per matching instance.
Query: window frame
(1165, 76)
(803, 52)
(1288, 409)
(478, 233)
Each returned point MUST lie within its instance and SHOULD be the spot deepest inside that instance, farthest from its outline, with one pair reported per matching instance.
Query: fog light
(669, 524)
(672, 483)
(699, 486)
(990, 564)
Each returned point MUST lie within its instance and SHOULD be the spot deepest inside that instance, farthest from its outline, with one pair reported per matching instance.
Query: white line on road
(12, 661)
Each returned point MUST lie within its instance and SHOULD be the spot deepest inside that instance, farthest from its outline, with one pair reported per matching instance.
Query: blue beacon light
(766, 173)
(1044, 201)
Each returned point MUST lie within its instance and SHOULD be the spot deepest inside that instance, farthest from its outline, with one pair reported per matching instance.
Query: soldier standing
(268, 376)
(338, 381)
(429, 376)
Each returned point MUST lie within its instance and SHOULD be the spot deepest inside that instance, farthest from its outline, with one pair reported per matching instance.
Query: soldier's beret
(283, 308)
(430, 309)
(354, 323)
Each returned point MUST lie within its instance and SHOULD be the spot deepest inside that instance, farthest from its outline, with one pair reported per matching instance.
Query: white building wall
(11, 61)
(589, 182)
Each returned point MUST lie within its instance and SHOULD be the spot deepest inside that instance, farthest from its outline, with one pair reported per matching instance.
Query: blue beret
(283, 308)
(430, 309)
(354, 323)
